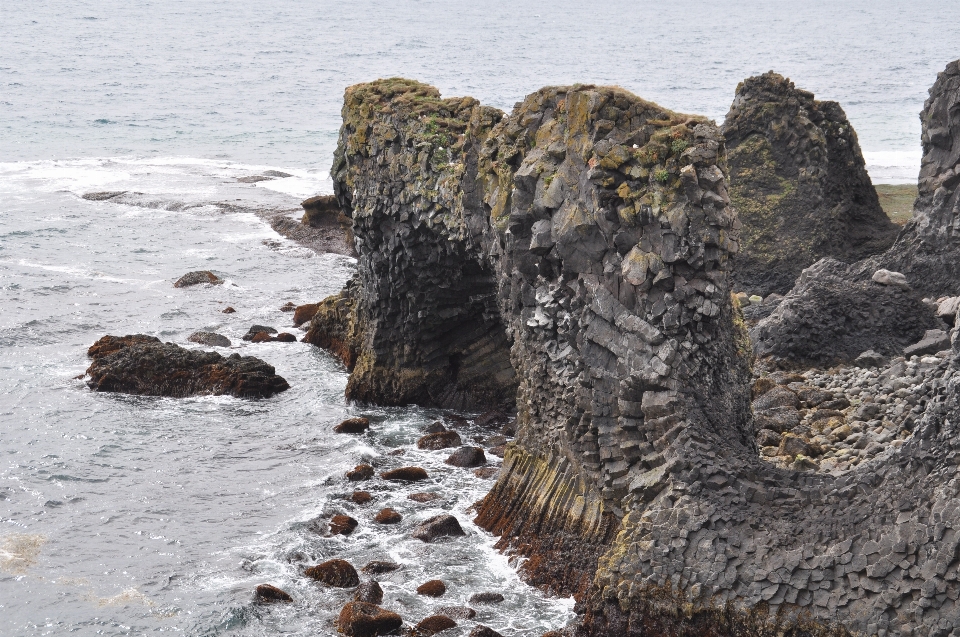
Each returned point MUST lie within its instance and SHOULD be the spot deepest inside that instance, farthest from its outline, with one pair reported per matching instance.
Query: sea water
(131, 515)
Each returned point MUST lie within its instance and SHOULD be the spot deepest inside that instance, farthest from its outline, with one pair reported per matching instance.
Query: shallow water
(126, 515)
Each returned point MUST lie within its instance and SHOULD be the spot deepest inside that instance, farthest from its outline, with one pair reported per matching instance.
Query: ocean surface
(124, 515)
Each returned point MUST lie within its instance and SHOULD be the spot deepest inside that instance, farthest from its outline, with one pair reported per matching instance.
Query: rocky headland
(576, 260)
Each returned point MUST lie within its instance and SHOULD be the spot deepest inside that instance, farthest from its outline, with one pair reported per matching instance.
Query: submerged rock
(437, 527)
(196, 278)
(467, 457)
(457, 612)
(338, 573)
(267, 593)
(360, 619)
(361, 497)
(388, 516)
(488, 597)
(799, 184)
(439, 440)
(378, 567)
(342, 525)
(353, 426)
(424, 497)
(369, 592)
(360, 472)
(209, 338)
(140, 364)
(484, 631)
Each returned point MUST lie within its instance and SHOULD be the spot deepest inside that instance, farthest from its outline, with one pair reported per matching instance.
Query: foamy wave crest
(893, 166)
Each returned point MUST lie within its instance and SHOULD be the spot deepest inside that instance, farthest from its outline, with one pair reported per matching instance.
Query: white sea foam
(893, 166)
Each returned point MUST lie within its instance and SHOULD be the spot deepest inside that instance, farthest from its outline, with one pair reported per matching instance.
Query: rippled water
(126, 515)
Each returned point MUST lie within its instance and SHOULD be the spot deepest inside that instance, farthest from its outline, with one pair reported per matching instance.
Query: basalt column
(611, 227)
(419, 324)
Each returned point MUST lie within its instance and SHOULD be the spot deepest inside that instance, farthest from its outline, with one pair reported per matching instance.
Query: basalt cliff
(574, 258)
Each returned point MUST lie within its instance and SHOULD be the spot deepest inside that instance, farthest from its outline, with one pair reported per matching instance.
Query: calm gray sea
(124, 516)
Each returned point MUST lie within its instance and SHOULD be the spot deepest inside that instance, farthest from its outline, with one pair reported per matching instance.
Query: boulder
(342, 525)
(228, 310)
(869, 358)
(361, 497)
(360, 472)
(791, 445)
(433, 625)
(487, 597)
(486, 472)
(777, 419)
(304, 313)
(388, 516)
(289, 306)
(196, 278)
(140, 364)
(378, 567)
(886, 277)
(209, 338)
(932, 342)
(267, 594)
(440, 440)
(435, 427)
(285, 337)
(257, 329)
(799, 183)
(360, 619)
(483, 631)
(369, 592)
(776, 397)
(499, 451)
(405, 474)
(761, 386)
(768, 438)
(432, 588)
(338, 573)
(467, 457)
(353, 426)
(437, 527)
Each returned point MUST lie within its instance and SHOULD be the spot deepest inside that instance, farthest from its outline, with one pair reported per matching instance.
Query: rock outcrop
(420, 322)
(926, 253)
(334, 231)
(601, 225)
(139, 364)
(799, 184)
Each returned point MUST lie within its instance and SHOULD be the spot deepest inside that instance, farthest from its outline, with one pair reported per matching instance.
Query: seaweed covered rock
(435, 338)
(140, 364)
(798, 181)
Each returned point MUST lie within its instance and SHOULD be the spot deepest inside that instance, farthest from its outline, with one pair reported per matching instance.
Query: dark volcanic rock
(342, 525)
(424, 497)
(323, 213)
(457, 612)
(486, 598)
(360, 619)
(405, 474)
(353, 426)
(798, 181)
(369, 592)
(932, 342)
(304, 313)
(267, 593)
(285, 337)
(289, 306)
(438, 526)
(388, 516)
(378, 567)
(258, 329)
(827, 318)
(143, 365)
(209, 338)
(432, 588)
(196, 278)
(435, 427)
(228, 310)
(361, 497)
(433, 625)
(339, 573)
(440, 440)
(483, 631)
(467, 457)
(360, 472)
(486, 472)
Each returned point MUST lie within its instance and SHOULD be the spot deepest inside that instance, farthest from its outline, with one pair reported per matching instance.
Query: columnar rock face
(420, 324)
(601, 225)
(927, 252)
(798, 181)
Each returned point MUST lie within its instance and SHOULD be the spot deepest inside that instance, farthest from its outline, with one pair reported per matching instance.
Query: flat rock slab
(140, 364)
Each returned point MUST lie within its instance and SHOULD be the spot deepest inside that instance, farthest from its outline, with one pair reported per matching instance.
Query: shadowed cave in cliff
(577, 254)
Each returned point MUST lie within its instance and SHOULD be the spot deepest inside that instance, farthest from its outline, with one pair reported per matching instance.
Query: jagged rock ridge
(799, 184)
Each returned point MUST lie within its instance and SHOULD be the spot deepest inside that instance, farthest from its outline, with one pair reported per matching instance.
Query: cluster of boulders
(365, 615)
